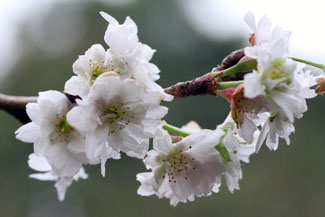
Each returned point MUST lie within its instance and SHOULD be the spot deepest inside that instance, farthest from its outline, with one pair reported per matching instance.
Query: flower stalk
(229, 84)
(246, 64)
(175, 130)
(317, 65)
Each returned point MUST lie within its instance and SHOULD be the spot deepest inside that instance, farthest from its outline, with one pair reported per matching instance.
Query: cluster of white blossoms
(112, 105)
(275, 93)
(195, 165)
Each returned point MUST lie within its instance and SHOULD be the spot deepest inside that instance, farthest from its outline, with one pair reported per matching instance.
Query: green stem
(246, 64)
(317, 65)
(175, 130)
(225, 72)
(229, 84)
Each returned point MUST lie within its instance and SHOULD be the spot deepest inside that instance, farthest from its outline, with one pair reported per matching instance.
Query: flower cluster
(274, 93)
(195, 165)
(112, 105)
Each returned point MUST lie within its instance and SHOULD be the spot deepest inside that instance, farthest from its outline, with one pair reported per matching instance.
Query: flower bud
(321, 87)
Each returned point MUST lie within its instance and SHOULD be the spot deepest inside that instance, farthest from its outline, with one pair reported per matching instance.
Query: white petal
(28, 132)
(146, 180)
(81, 119)
(77, 86)
(34, 113)
(109, 18)
(264, 132)
(250, 20)
(38, 163)
(96, 142)
(43, 176)
(252, 85)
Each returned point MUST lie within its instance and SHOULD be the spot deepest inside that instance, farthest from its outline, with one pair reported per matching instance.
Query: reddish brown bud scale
(231, 60)
(71, 98)
(237, 104)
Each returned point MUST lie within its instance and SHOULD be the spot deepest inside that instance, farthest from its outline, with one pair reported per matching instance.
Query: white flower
(127, 56)
(280, 80)
(274, 70)
(246, 112)
(40, 164)
(291, 104)
(261, 32)
(273, 128)
(52, 135)
(87, 68)
(302, 83)
(118, 115)
(181, 171)
(237, 150)
(288, 105)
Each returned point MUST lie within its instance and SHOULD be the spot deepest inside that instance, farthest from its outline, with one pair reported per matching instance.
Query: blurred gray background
(41, 39)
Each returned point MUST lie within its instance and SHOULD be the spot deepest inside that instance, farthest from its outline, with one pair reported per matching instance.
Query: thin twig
(207, 84)
(204, 85)
(16, 106)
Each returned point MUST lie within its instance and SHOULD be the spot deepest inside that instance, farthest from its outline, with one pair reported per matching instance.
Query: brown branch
(206, 84)
(16, 106)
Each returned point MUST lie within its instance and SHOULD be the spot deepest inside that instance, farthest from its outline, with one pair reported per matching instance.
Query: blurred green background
(288, 182)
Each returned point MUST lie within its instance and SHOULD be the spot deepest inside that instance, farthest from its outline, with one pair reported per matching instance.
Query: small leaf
(223, 152)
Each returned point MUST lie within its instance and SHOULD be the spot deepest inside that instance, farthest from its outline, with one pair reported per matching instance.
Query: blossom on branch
(278, 80)
(53, 137)
(113, 104)
(88, 68)
(127, 56)
(181, 171)
(117, 115)
(59, 149)
(234, 150)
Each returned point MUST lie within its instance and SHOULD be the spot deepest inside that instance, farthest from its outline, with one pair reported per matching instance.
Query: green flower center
(98, 69)
(65, 126)
(276, 71)
(116, 117)
(62, 131)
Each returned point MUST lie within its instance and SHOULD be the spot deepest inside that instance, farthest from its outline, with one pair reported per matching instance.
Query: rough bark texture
(204, 85)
